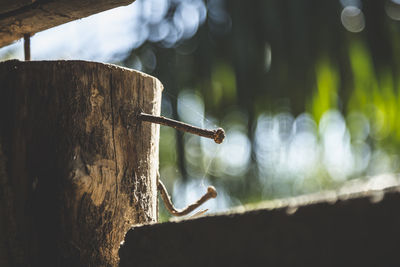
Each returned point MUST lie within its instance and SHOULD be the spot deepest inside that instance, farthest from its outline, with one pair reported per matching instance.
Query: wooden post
(75, 171)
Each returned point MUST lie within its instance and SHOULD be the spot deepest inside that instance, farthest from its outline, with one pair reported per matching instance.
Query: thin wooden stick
(211, 193)
(217, 135)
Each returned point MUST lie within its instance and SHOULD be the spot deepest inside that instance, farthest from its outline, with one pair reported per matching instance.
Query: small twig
(217, 135)
(211, 193)
(27, 46)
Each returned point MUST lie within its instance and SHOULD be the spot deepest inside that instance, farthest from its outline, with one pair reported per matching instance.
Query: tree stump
(76, 170)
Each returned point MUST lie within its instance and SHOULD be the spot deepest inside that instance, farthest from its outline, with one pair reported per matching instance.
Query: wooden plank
(10, 5)
(21, 16)
(358, 231)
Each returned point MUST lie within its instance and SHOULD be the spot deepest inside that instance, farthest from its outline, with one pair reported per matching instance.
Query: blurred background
(307, 91)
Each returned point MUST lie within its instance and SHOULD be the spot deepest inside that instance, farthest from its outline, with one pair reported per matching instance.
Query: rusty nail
(217, 135)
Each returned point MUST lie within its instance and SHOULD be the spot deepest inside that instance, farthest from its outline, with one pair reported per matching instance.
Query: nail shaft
(27, 46)
(217, 135)
(211, 193)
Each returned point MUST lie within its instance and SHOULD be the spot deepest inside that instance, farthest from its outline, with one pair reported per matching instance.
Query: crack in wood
(113, 133)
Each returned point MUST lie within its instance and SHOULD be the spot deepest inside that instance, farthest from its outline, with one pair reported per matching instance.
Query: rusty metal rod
(217, 135)
(27, 46)
(211, 193)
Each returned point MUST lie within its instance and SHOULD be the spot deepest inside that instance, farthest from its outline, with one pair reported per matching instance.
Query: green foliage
(327, 82)
(223, 84)
(286, 87)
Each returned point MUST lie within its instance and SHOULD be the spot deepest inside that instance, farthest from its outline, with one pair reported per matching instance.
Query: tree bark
(18, 17)
(76, 170)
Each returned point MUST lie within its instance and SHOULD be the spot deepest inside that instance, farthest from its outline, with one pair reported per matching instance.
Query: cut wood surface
(18, 17)
(76, 170)
(356, 228)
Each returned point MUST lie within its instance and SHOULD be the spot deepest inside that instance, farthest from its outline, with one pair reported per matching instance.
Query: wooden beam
(22, 16)
(360, 231)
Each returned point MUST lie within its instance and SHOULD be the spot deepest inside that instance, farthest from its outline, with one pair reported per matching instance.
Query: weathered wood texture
(348, 232)
(75, 174)
(18, 17)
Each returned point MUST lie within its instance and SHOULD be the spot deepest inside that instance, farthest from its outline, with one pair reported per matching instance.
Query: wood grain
(75, 174)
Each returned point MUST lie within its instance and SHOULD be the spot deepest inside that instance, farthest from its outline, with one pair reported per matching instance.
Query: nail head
(212, 191)
(219, 135)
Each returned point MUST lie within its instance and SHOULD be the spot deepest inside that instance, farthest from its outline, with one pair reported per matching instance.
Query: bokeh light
(353, 19)
(111, 35)
(392, 9)
(307, 92)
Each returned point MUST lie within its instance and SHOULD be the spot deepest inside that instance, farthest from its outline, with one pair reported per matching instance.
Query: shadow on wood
(352, 232)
